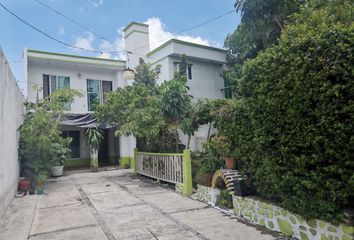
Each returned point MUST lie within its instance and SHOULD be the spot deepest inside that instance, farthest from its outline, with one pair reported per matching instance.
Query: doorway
(103, 153)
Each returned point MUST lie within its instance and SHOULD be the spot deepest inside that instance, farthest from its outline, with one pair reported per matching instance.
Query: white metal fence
(166, 167)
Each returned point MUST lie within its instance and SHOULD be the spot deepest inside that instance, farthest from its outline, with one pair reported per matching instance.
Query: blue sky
(108, 17)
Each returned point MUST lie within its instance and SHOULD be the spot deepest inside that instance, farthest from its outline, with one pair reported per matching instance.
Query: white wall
(11, 116)
(37, 69)
(206, 80)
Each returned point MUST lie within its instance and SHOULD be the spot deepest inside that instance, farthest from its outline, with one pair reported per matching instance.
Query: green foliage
(181, 74)
(204, 165)
(149, 112)
(41, 145)
(175, 99)
(261, 25)
(294, 116)
(94, 138)
(221, 145)
(224, 199)
(146, 76)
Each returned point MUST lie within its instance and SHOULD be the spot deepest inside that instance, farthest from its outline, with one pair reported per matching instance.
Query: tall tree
(145, 75)
(262, 22)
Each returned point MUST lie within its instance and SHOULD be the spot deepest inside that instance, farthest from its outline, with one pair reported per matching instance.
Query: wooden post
(187, 173)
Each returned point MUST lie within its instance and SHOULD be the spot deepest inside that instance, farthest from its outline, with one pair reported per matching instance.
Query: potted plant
(40, 181)
(94, 137)
(222, 146)
(60, 156)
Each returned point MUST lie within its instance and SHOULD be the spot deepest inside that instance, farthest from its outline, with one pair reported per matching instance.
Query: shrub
(295, 115)
(224, 199)
(204, 165)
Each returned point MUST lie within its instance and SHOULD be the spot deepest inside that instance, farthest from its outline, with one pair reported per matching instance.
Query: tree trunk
(209, 130)
(189, 140)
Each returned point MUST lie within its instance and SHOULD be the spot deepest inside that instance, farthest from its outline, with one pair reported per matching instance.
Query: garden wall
(11, 110)
(261, 212)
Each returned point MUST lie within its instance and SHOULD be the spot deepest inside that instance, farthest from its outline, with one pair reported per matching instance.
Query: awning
(84, 121)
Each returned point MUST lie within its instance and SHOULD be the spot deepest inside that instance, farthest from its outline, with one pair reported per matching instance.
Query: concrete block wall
(11, 116)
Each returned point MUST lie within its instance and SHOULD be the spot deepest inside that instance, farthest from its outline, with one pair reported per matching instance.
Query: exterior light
(128, 74)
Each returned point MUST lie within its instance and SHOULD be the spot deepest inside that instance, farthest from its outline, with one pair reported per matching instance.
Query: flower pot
(40, 187)
(57, 171)
(24, 185)
(229, 162)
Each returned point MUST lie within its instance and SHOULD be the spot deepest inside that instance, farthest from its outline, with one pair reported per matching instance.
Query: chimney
(136, 36)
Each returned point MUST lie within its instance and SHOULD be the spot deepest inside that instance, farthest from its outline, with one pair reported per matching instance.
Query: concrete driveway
(117, 205)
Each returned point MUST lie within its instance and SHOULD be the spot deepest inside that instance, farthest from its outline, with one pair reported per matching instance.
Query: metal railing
(169, 167)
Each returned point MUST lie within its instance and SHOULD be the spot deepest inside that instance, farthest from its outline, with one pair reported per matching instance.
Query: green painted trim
(134, 23)
(124, 161)
(135, 31)
(173, 40)
(187, 173)
(75, 56)
(159, 60)
(73, 61)
(161, 154)
(77, 162)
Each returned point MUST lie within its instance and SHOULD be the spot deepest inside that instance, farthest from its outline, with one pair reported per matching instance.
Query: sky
(166, 19)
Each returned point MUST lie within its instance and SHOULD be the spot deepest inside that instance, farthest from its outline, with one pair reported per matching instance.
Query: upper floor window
(189, 70)
(96, 92)
(51, 83)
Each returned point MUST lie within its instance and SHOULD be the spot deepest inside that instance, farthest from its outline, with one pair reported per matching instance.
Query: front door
(103, 154)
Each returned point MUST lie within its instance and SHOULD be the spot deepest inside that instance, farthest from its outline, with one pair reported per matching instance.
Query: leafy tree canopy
(294, 113)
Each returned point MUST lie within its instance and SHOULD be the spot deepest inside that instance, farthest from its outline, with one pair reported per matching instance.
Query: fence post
(187, 173)
(133, 161)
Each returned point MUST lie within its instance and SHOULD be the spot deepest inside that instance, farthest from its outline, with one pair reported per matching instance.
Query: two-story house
(96, 76)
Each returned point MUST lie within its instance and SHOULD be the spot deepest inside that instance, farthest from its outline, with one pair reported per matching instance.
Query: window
(51, 83)
(96, 92)
(189, 70)
(75, 142)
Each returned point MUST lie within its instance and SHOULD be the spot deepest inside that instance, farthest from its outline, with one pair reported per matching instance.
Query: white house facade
(94, 77)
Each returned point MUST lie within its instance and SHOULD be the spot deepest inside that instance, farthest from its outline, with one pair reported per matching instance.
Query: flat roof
(174, 40)
(53, 56)
(74, 56)
(136, 23)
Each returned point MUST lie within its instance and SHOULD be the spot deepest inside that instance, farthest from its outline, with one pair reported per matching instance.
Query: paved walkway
(117, 205)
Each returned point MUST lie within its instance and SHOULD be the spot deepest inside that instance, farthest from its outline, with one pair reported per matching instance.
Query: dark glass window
(96, 92)
(189, 69)
(52, 83)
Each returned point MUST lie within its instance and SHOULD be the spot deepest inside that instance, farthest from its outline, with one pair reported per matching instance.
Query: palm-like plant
(94, 137)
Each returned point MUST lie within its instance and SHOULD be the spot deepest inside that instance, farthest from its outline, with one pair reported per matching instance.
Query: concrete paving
(112, 205)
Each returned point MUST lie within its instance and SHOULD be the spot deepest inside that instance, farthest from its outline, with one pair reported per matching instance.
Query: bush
(224, 199)
(204, 165)
(294, 119)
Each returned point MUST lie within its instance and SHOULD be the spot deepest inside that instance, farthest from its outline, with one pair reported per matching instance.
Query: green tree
(41, 145)
(261, 25)
(94, 138)
(146, 76)
(294, 117)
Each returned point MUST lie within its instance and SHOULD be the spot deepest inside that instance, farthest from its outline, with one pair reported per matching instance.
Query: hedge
(295, 129)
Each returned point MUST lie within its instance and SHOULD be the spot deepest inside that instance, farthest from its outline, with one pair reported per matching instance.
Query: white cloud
(159, 34)
(117, 46)
(95, 3)
(81, 9)
(85, 41)
(61, 30)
